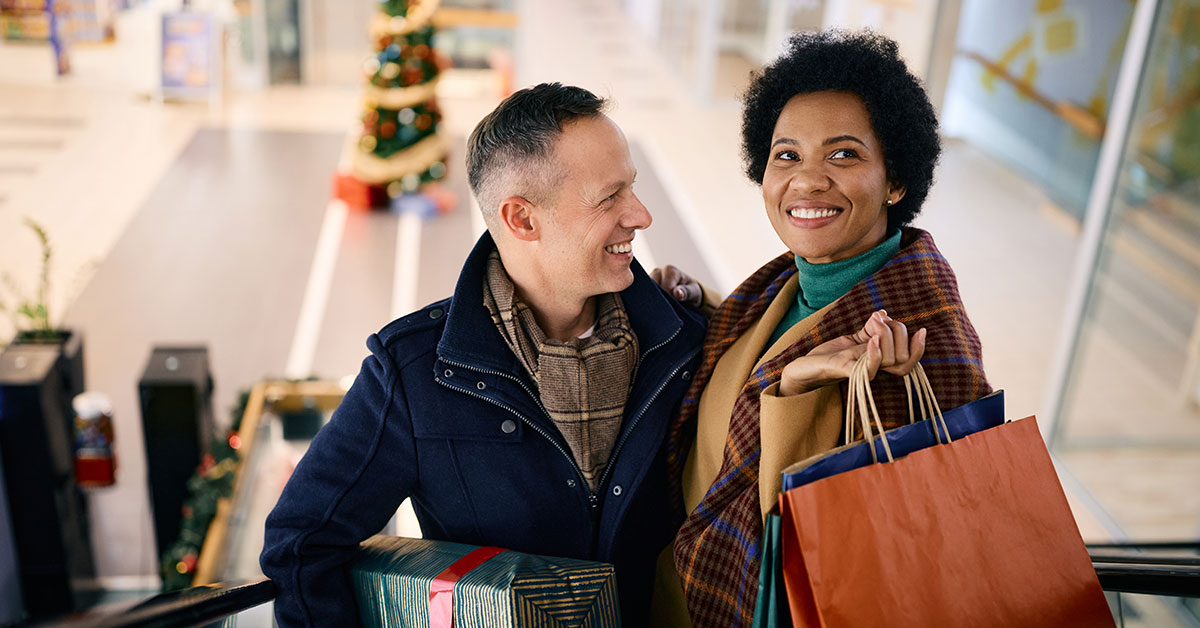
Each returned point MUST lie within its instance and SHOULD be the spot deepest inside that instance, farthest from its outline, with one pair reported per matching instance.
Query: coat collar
(471, 338)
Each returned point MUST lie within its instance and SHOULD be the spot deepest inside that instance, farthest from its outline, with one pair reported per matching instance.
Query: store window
(1129, 424)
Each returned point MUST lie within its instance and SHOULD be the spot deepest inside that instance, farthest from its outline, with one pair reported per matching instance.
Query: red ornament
(387, 129)
(207, 463)
(235, 441)
(371, 117)
(189, 563)
(187, 512)
(423, 121)
(421, 51)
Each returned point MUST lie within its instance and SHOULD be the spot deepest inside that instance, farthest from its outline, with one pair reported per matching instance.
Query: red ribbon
(441, 590)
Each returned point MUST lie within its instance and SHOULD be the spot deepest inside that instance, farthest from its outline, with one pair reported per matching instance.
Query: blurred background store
(195, 174)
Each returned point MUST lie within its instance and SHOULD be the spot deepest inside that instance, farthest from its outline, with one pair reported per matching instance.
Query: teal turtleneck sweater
(822, 284)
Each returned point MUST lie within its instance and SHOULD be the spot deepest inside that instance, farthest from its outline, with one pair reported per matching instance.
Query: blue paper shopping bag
(976, 416)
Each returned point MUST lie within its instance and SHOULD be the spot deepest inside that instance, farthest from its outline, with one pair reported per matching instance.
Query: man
(529, 410)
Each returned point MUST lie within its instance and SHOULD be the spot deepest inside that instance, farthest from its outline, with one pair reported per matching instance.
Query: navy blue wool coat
(443, 413)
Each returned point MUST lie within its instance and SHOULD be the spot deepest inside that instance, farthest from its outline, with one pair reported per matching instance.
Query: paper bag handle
(916, 383)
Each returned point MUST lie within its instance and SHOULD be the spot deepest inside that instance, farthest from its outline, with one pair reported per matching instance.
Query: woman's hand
(885, 342)
(679, 285)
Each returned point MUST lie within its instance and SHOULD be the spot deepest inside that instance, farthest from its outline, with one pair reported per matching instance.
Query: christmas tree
(399, 150)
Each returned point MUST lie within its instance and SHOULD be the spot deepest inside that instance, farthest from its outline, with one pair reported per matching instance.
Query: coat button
(435, 313)
(480, 385)
(508, 426)
(617, 490)
(448, 373)
(571, 483)
(687, 375)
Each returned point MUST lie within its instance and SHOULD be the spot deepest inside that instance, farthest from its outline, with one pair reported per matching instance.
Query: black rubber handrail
(1145, 559)
(1154, 545)
(199, 606)
(1149, 578)
(196, 606)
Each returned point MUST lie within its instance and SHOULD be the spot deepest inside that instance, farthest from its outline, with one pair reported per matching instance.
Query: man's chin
(621, 282)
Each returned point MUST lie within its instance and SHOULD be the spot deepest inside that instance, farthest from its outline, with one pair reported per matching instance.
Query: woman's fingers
(899, 341)
(878, 327)
(875, 353)
(916, 350)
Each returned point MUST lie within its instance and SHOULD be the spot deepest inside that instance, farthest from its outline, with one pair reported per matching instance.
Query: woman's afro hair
(869, 65)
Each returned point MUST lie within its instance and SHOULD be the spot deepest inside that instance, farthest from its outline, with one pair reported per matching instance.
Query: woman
(843, 141)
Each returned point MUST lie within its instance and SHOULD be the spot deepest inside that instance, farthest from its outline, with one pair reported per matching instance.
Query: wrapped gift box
(414, 582)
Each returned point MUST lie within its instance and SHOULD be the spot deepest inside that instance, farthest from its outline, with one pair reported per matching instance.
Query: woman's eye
(787, 155)
(844, 153)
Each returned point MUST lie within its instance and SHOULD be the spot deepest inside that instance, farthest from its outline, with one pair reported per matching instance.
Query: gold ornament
(390, 70)
(371, 66)
(394, 189)
(367, 143)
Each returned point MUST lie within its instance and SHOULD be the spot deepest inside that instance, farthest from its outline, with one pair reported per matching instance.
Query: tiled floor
(87, 156)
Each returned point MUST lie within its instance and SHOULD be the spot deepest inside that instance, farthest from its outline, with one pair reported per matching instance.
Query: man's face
(587, 223)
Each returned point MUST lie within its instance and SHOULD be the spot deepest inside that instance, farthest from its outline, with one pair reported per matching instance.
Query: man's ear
(517, 217)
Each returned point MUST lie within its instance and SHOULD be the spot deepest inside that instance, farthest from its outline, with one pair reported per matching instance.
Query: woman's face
(825, 186)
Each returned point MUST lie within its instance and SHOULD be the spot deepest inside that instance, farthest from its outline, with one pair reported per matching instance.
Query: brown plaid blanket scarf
(583, 383)
(717, 550)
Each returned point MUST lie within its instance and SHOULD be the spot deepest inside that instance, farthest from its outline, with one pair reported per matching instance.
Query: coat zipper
(625, 436)
(526, 420)
(593, 496)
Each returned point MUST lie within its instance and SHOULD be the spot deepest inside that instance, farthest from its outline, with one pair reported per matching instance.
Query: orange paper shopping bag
(972, 532)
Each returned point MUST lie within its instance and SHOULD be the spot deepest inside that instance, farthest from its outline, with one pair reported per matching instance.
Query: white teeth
(813, 213)
(619, 248)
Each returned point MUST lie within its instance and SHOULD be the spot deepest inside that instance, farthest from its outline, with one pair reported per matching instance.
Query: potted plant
(31, 316)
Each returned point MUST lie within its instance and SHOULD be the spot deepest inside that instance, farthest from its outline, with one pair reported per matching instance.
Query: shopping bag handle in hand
(917, 382)
(861, 399)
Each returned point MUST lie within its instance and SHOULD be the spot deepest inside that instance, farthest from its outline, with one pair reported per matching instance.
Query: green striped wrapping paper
(392, 575)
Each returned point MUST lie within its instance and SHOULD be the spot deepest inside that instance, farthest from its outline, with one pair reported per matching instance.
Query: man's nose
(637, 216)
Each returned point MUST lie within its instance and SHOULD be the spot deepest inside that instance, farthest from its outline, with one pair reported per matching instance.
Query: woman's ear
(517, 218)
(894, 194)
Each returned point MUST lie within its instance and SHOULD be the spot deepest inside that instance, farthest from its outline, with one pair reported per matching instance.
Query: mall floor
(193, 223)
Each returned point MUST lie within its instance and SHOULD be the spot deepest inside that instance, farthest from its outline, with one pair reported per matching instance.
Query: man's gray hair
(509, 151)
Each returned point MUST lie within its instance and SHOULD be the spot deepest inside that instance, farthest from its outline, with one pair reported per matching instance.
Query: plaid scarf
(583, 383)
(717, 550)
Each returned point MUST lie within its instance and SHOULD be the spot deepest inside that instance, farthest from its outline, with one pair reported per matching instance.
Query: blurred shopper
(843, 141)
(528, 411)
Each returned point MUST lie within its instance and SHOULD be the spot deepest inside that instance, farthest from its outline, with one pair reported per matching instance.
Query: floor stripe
(408, 256)
(404, 300)
(316, 293)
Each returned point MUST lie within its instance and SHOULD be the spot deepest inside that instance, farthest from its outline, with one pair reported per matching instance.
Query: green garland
(212, 481)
